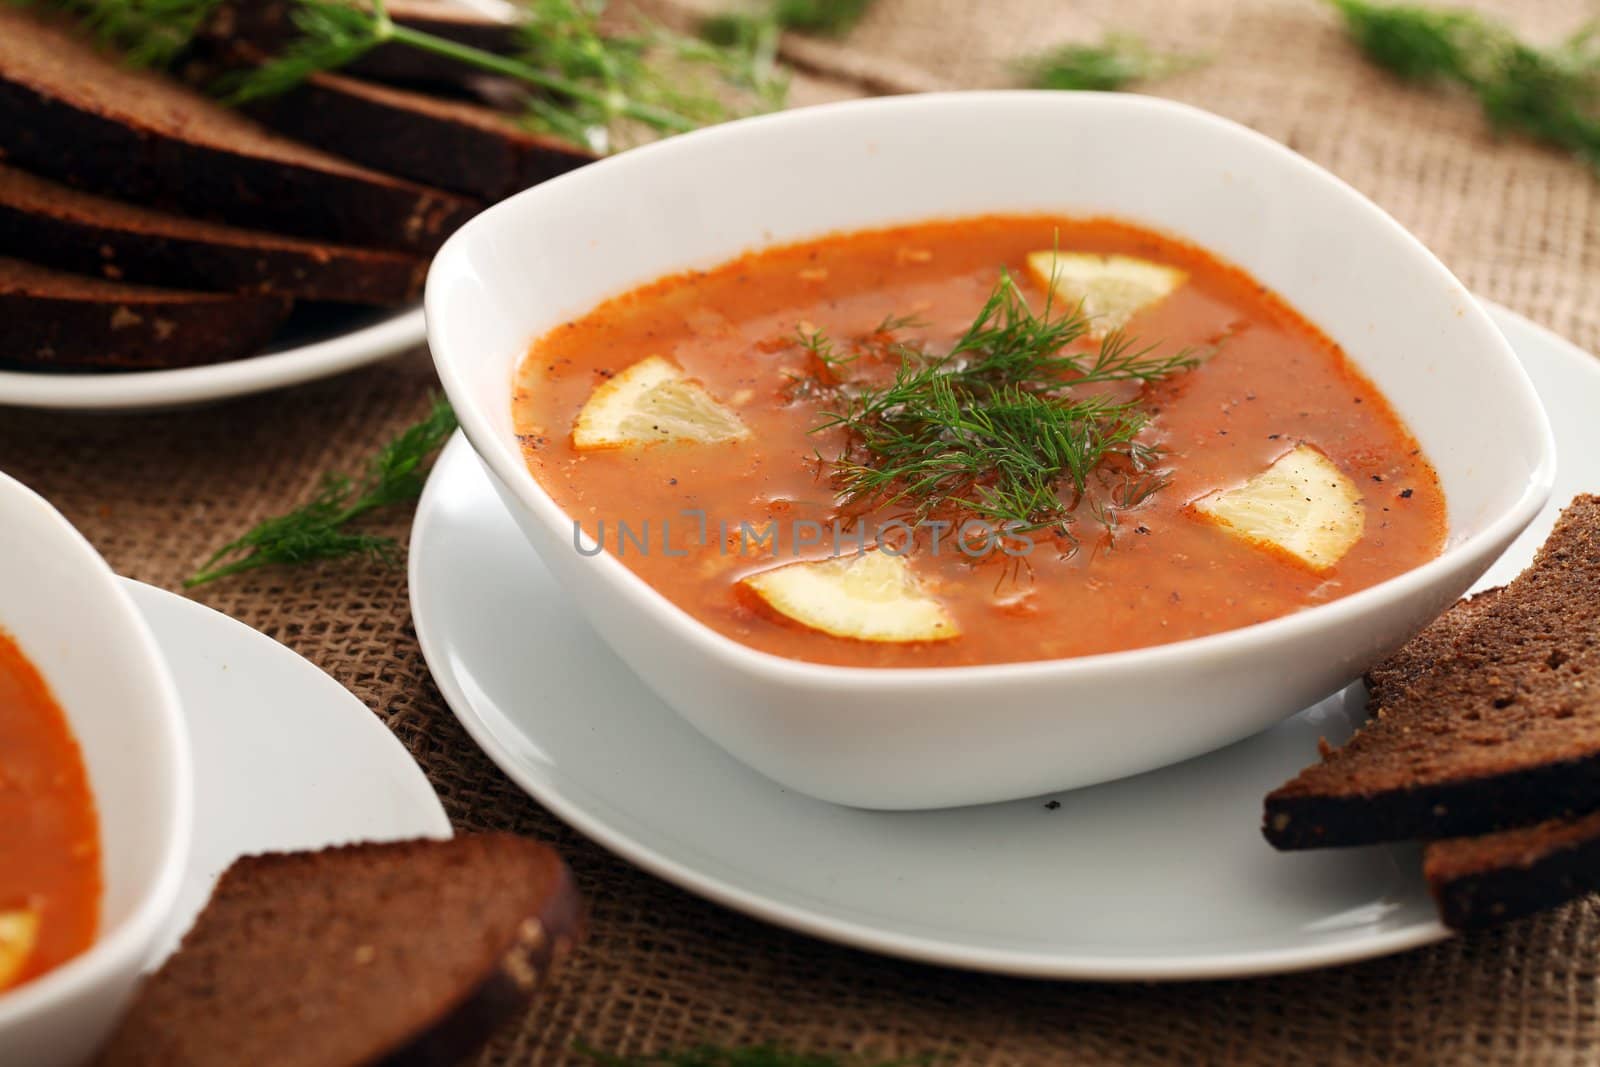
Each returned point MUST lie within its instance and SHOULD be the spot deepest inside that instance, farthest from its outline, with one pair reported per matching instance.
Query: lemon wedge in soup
(871, 596)
(19, 931)
(1302, 505)
(1110, 289)
(651, 402)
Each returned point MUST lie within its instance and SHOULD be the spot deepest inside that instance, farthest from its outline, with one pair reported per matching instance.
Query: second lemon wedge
(1302, 505)
(651, 402)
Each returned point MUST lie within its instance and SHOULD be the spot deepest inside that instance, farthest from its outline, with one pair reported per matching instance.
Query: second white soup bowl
(77, 625)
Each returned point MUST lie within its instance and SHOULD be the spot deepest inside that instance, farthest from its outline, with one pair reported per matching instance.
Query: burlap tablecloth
(663, 969)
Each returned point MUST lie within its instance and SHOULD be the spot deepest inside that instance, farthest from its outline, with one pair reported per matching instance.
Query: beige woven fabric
(663, 969)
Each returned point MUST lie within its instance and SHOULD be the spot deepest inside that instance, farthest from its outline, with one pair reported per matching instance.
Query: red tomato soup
(798, 350)
(49, 834)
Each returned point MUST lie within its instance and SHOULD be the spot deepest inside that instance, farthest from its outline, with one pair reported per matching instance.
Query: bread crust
(463, 147)
(54, 321)
(1494, 878)
(77, 231)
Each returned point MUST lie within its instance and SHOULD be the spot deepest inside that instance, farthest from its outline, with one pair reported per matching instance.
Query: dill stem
(511, 68)
(227, 570)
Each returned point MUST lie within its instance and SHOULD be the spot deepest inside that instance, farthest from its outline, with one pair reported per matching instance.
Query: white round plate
(1161, 876)
(366, 337)
(285, 758)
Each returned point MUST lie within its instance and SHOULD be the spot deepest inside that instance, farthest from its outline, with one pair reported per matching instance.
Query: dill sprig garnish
(149, 33)
(318, 529)
(1119, 60)
(595, 89)
(652, 67)
(830, 18)
(332, 35)
(998, 428)
(1550, 94)
(825, 18)
(586, 86)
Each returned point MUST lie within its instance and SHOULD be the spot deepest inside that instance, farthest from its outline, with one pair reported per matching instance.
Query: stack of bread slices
(145, 225)
(1484, 742)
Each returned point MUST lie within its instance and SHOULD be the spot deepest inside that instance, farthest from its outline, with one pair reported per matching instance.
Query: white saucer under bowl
(1161, 876)
(285, 758)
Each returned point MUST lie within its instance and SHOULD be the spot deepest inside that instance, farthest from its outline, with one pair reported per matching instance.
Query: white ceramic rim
(507, 464)
(215, 381)
(815, 922)
(125, 945)
(191, 631)
(862, 936)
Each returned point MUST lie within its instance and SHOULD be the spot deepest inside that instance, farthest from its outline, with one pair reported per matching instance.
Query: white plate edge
(184, 386)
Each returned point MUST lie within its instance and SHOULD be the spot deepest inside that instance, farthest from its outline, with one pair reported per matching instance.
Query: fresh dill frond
(1119, 60)
(697, 81)
(824, 18)
(1414, 43)
(1550, 94)
(318, 529)
(820, 347)
(748, 1056)
(331, 35)
(892, 323)
(830, 18)
(594, 88)
(148, 33)
(997, 428)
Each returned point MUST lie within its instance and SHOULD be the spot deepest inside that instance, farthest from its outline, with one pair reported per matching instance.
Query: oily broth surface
(49, 830)
(1165, 576)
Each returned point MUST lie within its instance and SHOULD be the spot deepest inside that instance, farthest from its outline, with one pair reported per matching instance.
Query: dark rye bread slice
(1492, 878)
(1422, 653)
(266, 24)
(1503, 731)
(449, 143)
(50, 319)
(73, 112)
(464, 147)
(78, 231)
(1480, 881)
(404, 953)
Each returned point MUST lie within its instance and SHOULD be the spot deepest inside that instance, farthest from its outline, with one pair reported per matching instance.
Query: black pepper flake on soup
(1405, 494)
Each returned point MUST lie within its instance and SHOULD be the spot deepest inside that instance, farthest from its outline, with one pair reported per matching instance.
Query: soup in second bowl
(50, 876)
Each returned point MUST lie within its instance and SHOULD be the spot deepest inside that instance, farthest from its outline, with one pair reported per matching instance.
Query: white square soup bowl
(933, 737)
(77, 625)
